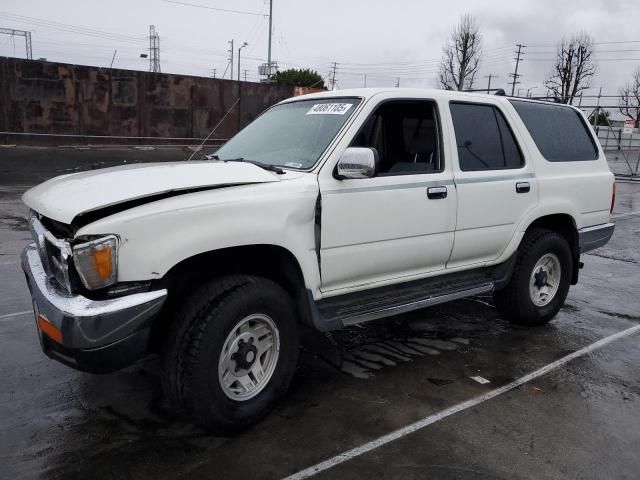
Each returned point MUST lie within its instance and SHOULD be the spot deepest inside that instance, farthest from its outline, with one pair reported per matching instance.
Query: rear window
(559, 132)
(483, 138)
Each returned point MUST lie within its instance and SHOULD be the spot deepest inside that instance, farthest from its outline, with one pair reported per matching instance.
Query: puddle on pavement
(364, 350)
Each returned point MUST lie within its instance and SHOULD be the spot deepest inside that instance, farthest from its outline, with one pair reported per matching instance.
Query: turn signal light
(95, 262)
(49, 329)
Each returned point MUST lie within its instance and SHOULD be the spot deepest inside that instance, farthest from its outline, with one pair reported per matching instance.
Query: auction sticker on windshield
(329, 109)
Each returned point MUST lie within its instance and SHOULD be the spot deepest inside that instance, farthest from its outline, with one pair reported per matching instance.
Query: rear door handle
(436, 193)
(523, 187)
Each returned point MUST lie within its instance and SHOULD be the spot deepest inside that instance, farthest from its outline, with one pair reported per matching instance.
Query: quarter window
(558, 131)
(483, 138)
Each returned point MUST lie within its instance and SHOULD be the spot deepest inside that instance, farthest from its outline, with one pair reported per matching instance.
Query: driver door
(399, 224)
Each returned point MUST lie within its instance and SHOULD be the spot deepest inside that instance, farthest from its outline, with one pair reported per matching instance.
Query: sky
(388, 41)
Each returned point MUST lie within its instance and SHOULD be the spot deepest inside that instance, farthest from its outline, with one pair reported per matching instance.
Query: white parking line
(12, 262)
(628, 214)
(15, 314)
(431, 419)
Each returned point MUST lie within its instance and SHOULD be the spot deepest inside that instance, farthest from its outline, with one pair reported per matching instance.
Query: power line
(225, 10)
(65, 27)
(622, 42)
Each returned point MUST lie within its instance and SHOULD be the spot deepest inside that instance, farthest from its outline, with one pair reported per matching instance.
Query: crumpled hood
(64, 198)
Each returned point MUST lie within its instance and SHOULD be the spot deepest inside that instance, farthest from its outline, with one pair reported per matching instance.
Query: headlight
(96, 262)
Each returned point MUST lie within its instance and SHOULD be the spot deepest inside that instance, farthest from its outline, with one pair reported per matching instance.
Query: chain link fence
(622, 150)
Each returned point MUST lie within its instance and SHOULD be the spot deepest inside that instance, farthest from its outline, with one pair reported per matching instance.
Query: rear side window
(483, 138)
(559, 132)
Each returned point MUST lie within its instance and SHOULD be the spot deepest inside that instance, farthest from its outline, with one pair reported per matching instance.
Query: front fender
(159, 235)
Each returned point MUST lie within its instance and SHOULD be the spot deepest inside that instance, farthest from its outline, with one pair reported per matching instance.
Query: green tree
(298, 78)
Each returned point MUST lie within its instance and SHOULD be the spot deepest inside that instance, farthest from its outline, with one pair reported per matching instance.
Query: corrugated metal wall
(54, 98)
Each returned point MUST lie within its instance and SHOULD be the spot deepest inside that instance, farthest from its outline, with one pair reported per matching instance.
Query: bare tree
(461, 56)
(630, 99)
(573, 69)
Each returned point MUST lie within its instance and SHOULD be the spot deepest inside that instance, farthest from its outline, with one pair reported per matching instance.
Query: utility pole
(515, 75)
(214, 72)
(20, 33)
(239, 50)
(230, 42)
(332, 80)
(365, 80)
(154, 50)
(245, 74)
(490, 76)
(397, 85)
(270, 32)
(595, 115)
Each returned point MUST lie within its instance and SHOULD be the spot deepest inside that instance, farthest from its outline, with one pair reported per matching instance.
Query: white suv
(328, 210)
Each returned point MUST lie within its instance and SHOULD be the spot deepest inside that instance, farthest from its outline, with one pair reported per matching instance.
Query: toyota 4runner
(328, 210)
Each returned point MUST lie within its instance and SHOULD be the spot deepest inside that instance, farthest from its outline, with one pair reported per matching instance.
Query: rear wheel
(540, 280)
(241, 356)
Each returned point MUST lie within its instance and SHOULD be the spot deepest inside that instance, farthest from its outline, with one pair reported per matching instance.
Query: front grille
(55, 253)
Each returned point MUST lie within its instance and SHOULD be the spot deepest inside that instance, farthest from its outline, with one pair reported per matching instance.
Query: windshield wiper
(265, 166)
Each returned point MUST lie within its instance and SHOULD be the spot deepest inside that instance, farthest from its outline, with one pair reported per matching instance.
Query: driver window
(405, 135)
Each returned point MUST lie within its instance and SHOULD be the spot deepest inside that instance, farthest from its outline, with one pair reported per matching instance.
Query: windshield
(291, 135)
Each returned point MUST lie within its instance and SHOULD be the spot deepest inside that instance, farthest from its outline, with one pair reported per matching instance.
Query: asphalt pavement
(412, 374)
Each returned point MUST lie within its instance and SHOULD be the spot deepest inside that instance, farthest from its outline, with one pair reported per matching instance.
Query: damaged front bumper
(90, 335)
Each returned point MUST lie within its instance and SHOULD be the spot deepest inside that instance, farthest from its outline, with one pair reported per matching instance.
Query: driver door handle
(522, 187)
(436, 193)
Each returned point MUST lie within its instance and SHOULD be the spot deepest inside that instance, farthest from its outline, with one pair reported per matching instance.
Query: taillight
(613, 197)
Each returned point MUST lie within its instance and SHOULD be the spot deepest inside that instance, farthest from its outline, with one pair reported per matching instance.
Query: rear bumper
(97, 335)
(594, 237)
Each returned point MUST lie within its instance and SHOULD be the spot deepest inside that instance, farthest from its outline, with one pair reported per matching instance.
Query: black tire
(203, 394)
(514, 301)
(178, 336)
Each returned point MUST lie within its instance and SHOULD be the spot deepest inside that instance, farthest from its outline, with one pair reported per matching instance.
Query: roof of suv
(415, 93)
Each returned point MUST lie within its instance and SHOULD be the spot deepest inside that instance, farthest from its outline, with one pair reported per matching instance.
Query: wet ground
(581, 420)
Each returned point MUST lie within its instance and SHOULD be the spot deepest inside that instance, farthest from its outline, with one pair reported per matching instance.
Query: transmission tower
(154, 50)
(20, 33)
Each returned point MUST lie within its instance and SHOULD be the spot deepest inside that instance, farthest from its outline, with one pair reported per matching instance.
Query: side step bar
(415, 305)
(335, 312)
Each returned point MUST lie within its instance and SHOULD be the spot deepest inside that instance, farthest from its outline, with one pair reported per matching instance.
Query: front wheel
(540, 280)
(241, 356)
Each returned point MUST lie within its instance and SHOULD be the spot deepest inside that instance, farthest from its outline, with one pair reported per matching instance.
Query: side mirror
(357, 162)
